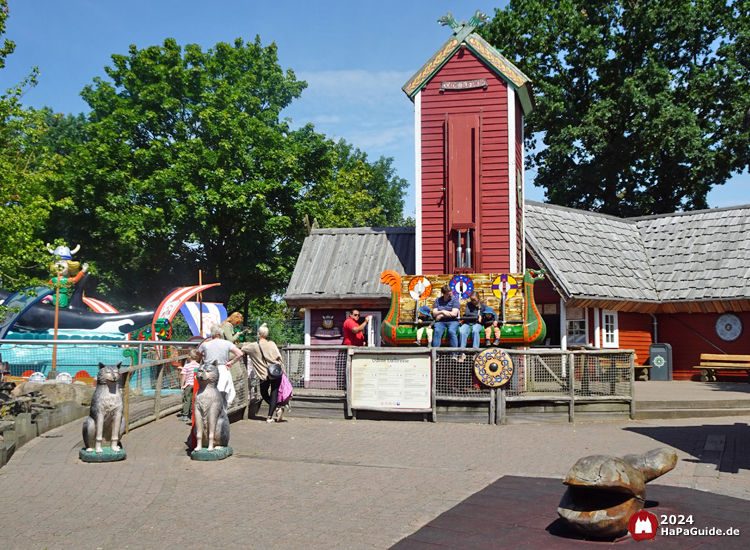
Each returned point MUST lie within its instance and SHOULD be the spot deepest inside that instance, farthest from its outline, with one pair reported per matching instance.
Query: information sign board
(391, 382)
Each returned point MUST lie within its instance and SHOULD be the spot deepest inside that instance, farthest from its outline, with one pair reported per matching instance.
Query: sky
(355, 56)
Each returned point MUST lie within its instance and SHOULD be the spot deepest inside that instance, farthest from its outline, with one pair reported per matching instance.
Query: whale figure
(41, 317)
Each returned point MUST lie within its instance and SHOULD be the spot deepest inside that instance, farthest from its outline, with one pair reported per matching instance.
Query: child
(489, 321)
(424, 322)
(187, 377)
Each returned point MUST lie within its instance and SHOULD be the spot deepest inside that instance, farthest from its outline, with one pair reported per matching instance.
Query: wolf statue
(211, 420)
(105, 417)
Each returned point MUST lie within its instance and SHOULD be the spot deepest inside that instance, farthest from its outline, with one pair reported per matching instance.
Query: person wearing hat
(424, 323)
(489, 320)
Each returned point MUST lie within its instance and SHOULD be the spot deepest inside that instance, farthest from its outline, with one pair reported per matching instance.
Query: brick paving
(312, 483)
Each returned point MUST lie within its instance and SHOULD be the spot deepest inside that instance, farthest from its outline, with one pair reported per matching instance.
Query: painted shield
(504, 287)
(420, 287)
(493, 367)
(462, 285)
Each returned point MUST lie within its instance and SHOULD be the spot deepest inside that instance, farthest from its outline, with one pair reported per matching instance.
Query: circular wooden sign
(420, 287)
(493, 367)
(728, 327)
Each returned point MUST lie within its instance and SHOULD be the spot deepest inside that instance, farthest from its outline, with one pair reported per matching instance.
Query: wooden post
(433, 386)
(572, 379)
(157, 390)
(501, 418)
(52, 373)
(126, 401)
(493, 396)
(632, 386)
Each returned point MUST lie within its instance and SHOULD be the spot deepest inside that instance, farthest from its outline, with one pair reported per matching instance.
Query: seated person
(471, 322)
(489, 320)
(424, 324)
(445, 311)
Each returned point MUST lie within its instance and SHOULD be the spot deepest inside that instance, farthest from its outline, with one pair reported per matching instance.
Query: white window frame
(610, 338)
(569, 339)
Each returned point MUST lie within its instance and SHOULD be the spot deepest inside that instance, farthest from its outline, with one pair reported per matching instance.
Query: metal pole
(200, 303)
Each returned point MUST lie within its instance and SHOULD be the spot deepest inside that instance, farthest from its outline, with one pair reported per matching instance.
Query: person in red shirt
(353, 331)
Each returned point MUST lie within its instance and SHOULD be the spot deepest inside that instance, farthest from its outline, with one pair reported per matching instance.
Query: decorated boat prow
(510, 295)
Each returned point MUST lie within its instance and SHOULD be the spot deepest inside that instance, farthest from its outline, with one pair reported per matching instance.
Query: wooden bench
(713, 362)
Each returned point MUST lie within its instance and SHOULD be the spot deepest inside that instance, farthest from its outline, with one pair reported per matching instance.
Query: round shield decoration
(462, 285)
(493, 367)
(420, 287)
(504, 287)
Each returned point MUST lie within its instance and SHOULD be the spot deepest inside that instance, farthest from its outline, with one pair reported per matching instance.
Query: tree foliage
(184, 164)
(642, 106)
(357, 193)
(26, 170)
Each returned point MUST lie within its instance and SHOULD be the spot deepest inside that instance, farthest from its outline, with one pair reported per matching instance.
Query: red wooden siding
(635, 333)
(491, 106)
(687, 346)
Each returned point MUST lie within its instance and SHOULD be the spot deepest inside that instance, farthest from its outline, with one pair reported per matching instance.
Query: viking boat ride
(510, 295)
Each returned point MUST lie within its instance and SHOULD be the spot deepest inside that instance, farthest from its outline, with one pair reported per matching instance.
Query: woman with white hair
(263, 353)
(216, 348)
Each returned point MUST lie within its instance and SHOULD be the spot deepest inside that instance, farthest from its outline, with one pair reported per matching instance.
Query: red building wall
(686, 333)
(635, 332)
(435, 105)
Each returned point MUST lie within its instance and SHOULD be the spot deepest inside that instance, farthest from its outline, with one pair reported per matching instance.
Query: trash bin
(660, 359)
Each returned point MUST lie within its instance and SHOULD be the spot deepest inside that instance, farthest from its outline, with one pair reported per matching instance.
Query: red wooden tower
(469, 107)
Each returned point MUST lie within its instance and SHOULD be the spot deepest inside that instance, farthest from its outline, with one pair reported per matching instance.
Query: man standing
(445, 310)
(353, 331)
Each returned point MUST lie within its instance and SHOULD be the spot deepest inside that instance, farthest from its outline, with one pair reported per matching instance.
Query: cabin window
(610, 332)
(575, 318)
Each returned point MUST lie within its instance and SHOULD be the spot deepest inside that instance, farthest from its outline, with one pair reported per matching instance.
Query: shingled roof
(690, 256)
(590, 255)
(340, 265)
(702, 255)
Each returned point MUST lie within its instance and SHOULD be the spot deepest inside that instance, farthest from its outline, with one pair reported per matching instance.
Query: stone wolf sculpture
(105, 416)
(211, 420)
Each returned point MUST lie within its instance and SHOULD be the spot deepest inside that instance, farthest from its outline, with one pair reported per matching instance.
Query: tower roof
(463, 35)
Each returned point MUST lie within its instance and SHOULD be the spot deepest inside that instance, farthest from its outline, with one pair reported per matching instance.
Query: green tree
(356, 192)
(8, 45)
(184, 164)
(641, 106)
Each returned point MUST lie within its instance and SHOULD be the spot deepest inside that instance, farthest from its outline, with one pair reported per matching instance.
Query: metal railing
(150, 379)
(541, 375)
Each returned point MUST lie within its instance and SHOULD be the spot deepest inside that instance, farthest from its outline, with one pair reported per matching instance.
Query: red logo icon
(643, 525)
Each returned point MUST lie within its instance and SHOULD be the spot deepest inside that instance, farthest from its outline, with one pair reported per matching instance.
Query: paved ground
(309, 483)
(691, 391)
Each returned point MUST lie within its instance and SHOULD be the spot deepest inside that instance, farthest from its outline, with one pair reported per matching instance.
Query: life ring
(462, 285)
(504, 285)
(493, 367)
(420, 287)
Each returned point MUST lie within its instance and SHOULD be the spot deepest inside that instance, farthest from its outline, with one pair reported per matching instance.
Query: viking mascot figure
(70, 272)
